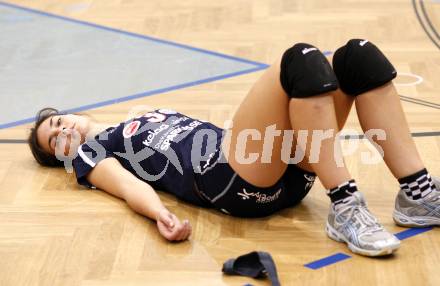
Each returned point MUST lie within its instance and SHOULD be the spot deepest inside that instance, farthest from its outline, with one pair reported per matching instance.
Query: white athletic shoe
(418, 213)
(351, 222)
(436, 181)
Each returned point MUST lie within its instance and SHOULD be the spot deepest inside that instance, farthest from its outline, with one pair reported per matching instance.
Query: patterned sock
(418, 185)
(343, 191)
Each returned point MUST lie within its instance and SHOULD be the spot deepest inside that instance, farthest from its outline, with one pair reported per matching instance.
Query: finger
(182, 232)
(176, 220)
(167, 222)
(171, 220)
(177, 232)
(185, 231)
(164, 218)
(163, 228)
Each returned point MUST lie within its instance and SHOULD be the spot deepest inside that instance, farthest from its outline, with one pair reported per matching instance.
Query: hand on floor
(171, 227)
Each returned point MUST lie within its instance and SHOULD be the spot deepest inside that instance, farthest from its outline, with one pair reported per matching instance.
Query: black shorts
(219, 184)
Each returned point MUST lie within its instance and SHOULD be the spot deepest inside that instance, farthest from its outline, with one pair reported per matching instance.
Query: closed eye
(52, 138)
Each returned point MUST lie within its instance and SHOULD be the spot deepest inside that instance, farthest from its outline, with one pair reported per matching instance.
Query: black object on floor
(256, 264)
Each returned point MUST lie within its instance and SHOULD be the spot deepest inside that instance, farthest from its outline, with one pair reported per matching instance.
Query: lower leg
(364, 72)
(381, 109)
(349, 220)
(318, 113)
(343, 104)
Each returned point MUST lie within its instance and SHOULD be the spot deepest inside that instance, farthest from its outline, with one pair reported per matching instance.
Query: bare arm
(110, 176)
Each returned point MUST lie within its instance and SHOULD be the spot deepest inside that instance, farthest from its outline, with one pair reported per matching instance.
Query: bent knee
(305, 72)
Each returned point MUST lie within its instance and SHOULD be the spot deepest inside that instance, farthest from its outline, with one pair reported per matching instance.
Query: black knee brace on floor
(306, 72)
(360, 66)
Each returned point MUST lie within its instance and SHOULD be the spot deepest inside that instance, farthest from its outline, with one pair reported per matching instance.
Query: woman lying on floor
(207, 166)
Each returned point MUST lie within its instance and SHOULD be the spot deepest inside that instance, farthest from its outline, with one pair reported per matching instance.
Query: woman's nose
(66, 131)
(62, 130)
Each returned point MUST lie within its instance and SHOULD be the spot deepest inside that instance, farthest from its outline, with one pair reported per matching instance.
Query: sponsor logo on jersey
(362, 43)
(131, 128)
(165, 145)
(259, 197)
(153, 133)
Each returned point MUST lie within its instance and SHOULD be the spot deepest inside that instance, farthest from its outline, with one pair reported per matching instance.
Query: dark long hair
(42, 157)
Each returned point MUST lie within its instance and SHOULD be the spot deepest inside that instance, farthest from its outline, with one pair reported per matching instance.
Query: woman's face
(63, 133)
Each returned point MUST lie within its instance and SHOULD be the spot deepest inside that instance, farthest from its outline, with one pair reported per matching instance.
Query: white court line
(418, 80)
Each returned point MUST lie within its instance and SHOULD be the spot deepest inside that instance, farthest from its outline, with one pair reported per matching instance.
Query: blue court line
(131, 34)
(332, 259)
(412, 232)
(258, 65)
(143, 94)
(327, 261)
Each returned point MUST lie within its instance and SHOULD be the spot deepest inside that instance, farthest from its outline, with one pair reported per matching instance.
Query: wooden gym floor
(54, 232)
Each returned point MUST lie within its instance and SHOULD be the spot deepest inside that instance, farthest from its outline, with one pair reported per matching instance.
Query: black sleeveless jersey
(164, 148)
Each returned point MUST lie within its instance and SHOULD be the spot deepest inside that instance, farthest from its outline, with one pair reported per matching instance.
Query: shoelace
(433, 197)
(436, 182)
(431, 200)
(362, 215)
(436, 196)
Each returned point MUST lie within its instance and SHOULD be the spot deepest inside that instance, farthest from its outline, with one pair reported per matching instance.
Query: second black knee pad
(360, 66)
(306, 72)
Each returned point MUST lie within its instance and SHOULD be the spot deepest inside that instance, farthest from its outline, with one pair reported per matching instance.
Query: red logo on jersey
(131, 129)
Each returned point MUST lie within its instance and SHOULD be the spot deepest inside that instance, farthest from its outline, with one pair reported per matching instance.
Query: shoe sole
(337, 236)
(406, 221)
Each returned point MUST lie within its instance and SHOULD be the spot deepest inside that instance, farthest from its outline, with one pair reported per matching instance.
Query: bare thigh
(266, 104)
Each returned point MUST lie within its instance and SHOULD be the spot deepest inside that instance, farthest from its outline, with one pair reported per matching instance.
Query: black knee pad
(306, 72)
(360, 66)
